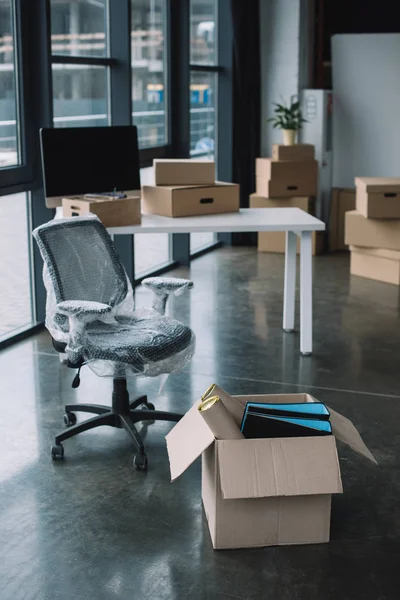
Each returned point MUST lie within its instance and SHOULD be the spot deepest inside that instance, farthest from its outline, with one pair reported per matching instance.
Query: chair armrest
(80, 312)
(83, 308)
(163, 287)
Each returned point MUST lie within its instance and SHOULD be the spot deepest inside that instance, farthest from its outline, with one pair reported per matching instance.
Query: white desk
(292, 220)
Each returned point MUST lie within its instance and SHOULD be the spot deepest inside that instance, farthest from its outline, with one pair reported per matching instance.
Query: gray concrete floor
(92, 527)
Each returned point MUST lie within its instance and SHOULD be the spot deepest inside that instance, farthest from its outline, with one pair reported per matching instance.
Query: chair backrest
(82, 261)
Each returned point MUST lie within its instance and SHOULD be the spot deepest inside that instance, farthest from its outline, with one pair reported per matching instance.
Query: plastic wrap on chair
(163, 287)
(90, 305)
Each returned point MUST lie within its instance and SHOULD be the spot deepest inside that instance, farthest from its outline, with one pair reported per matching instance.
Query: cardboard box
(306, 203)
(296, 152)
(342, 200)
(378, 264)
(185, 201)
(371, 233)
(286, 178)
(378, 197)
(184, 172)
(275, 241)
(263, 492)
(111, 212)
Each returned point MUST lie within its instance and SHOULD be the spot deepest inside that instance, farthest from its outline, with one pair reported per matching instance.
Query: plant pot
(289, 137)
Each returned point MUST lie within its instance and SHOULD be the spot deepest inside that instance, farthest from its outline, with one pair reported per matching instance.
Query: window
(78, 27)
(15, 284)
(148, 71)
(202, 114)
(203, 92)
(9, 142)
(80, 95)
(203, 29)
(80, 91)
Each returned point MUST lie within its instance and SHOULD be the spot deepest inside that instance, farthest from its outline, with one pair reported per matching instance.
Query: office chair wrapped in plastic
(91, 318)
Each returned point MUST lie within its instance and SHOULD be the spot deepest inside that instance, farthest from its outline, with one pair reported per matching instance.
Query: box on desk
(371, 233)
(184, 172)
(275, 241)
(378, 197)
(112, 212)
(186, 201)
(286, 178)
(298, 152)
(263, 492)
(375, 263)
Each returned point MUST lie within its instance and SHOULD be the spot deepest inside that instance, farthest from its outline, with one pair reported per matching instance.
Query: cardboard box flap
(189, 186)
(260, 468)
(346, 432)
(378, 184)
(187, 441)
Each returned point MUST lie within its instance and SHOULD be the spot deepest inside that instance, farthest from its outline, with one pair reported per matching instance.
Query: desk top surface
(247, 219)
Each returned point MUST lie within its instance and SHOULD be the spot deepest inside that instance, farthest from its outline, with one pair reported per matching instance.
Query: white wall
(366, 107)
(284, 31)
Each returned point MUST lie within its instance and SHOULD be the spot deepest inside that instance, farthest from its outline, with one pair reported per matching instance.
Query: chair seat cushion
(137, 341)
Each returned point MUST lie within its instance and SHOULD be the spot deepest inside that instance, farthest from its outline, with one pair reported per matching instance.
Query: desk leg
(306, 293)
(290, 282)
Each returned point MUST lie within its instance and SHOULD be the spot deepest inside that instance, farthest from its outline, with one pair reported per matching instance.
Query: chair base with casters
(122, 414)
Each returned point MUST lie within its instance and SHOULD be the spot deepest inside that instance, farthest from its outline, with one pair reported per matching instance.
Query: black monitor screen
(83, 160)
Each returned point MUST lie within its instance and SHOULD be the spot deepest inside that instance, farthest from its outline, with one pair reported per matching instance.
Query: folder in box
(315, 410)
(258, 425)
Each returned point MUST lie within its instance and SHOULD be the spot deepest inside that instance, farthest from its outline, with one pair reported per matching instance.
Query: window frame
(32, 25)
(22, 173)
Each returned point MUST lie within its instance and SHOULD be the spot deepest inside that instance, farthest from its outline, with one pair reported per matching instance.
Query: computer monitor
(83, 160)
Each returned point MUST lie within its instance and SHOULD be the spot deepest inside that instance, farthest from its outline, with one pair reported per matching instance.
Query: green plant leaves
(287, 117)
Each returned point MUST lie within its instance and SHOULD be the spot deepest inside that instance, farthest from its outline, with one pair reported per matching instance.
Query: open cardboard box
(263, 492)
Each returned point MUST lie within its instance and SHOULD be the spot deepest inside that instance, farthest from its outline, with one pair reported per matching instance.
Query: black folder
(298, 410)
(259, 425)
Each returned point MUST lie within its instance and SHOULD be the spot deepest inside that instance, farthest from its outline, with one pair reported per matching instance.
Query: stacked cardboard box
(342, 200)
(373, 229)
(187, 187)
(288, 179)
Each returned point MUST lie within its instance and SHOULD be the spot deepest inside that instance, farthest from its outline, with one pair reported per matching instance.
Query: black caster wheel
(140, 462)
(57, 452)
(69, 419)
(148, 406)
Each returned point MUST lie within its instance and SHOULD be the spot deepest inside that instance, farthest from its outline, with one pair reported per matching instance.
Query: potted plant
(289, 119)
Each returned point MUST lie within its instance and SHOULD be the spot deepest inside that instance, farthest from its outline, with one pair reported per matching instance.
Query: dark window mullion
(120, 90)
(83, 60)
(206, 68)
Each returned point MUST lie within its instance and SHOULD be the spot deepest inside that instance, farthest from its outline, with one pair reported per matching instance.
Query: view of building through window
(203, 46)
(80, 91)
(79, 28)
(8, 105)
(148, 48)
